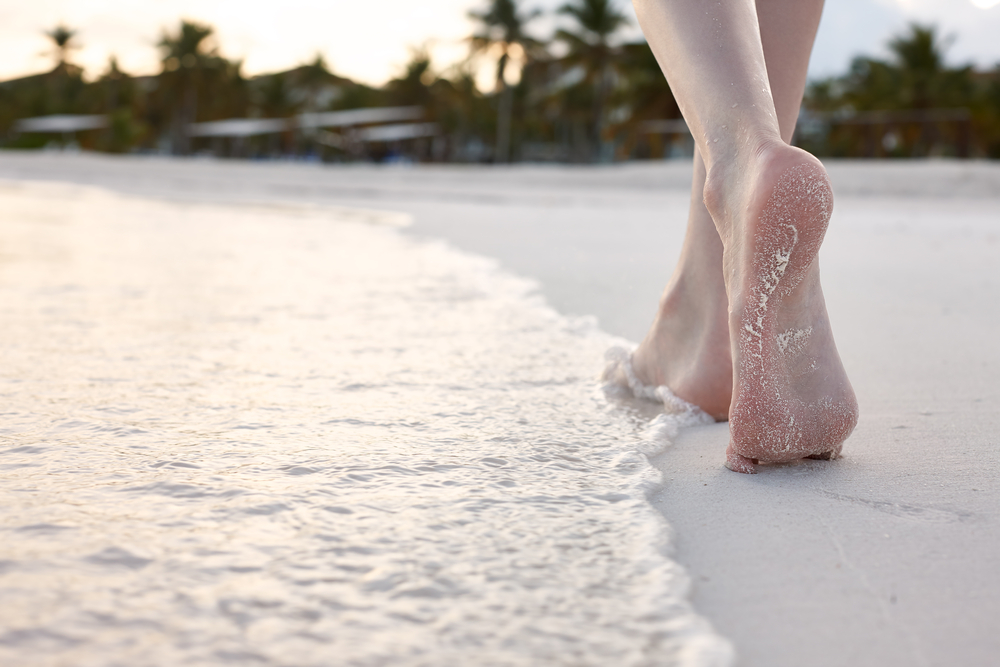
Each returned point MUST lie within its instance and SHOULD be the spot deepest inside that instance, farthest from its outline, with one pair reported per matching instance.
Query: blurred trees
(590, 48)
(575, 106)
(118, 95)
(583, 96)
(196, 83)
(912, 105)
(62, 37)
(647, 99)
(916, 78)
(58, 91)
(502, 31)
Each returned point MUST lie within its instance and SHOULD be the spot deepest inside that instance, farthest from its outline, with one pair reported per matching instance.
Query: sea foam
(293, 437)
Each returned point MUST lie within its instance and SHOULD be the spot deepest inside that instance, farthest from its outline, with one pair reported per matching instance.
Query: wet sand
(889, 556)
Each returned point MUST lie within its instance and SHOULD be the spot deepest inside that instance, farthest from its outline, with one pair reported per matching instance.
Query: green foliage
(195, 83)
(600, 99)
(597, 21)
(591, 50)
(908, 106)
(414, 87)
(502, 29)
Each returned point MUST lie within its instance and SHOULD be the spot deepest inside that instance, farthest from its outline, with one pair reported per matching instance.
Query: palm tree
(590, 47)
(64, 83)
(916, 83)
(502, 29)
(121, 104)
(916, 78)
(274, 97)
(413, 87)
(313, 75)
(926, 81)
(64, 43)
(646, 94)
(186, 55)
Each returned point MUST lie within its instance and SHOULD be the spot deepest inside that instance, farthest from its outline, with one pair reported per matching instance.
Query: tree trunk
(600, 100)
(188, 113)
(502, 153)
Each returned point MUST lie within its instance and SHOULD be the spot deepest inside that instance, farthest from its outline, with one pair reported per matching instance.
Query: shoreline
(888, 556)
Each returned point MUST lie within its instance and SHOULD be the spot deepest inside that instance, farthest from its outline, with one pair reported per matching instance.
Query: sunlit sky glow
(370, 41)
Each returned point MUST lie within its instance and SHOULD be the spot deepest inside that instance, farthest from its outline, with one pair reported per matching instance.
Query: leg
(687, 347)
(770, 204)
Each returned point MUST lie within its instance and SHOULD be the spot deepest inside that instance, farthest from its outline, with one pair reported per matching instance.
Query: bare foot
(687, 347)
(791, 396)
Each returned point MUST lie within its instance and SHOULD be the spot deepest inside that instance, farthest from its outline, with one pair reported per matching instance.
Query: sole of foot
(791, 395)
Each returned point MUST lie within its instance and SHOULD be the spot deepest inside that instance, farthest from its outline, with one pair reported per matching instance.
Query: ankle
(695, 296)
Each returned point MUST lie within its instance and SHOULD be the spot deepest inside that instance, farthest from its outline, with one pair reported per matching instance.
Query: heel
(739, 463)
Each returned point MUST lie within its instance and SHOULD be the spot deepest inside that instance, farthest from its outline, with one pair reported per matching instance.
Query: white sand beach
(888, 556)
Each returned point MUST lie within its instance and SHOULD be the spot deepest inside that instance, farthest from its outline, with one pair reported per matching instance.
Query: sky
(371, 40)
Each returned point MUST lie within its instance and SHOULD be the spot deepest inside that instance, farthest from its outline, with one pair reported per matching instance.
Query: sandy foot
(791, 396)
(742, 330)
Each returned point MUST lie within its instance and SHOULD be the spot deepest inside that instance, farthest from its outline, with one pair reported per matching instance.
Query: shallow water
(292, 436)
